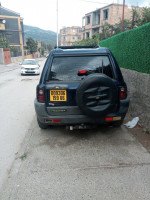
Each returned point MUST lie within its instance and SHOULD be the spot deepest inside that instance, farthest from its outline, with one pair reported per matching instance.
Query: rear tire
(42, 125)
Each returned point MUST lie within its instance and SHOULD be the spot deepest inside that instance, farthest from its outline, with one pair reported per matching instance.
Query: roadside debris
(132, 123)
(26, 79)
(24, 156)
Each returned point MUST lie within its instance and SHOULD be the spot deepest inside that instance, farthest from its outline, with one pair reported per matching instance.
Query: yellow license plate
(58, 95)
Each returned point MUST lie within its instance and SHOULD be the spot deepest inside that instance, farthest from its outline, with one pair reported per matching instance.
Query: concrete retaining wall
(28, 56)
(16, 59)
(139, 92)
(1, 56)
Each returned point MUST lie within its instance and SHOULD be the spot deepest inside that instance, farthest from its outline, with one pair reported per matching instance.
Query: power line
(93, 2)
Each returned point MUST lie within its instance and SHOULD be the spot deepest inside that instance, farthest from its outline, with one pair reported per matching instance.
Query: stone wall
(139, 92)
(1, 56)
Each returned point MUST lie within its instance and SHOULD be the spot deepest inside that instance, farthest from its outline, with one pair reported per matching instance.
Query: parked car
(30, 66)
(81, 87)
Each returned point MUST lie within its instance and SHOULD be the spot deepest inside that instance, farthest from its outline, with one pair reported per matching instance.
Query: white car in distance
(30, 66)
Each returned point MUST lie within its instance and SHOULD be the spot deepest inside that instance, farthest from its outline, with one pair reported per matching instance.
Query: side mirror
(39, 65)
(20, 63)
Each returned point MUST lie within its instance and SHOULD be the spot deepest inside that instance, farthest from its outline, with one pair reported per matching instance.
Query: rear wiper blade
(55, 79)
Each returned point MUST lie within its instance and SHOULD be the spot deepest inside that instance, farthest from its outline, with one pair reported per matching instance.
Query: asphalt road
(101, 164)
(17, 94)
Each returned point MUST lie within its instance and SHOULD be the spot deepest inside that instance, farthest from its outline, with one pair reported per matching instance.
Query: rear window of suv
(66, 68)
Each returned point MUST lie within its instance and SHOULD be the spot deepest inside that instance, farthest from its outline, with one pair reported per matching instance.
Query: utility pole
(57, 23)
(123, 14)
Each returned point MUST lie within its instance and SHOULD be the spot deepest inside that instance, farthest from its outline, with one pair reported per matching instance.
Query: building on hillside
(110, 14)
(11, 27)
(69, 35)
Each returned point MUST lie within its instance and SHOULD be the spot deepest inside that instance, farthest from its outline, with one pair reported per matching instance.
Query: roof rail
(75, 47)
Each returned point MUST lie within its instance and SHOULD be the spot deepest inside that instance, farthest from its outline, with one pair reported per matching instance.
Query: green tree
(94, 41)
(42, 50)
(3, 42)
(49, 47)
(145, 18)
(106, 31)
(13, 49)
(136, 18)
(32, 45)
(45, 48)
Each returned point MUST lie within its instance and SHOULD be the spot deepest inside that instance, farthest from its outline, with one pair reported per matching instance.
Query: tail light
(109, 119)
(53, 120)
(40, 95)
(56, 120)
(122, 92)
(82, 72)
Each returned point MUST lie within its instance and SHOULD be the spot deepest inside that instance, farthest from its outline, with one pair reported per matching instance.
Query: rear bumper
(44, 117)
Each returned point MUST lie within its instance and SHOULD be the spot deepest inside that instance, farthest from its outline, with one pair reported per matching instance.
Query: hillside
(48, 37)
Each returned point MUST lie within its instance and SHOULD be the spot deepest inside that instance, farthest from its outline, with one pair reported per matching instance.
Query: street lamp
(57, 23)
(123, 14)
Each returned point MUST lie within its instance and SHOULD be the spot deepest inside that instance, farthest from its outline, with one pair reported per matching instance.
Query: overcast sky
(43, 14)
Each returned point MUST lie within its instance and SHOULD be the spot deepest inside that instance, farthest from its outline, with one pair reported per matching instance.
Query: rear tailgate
(64, 78)
(61, 99)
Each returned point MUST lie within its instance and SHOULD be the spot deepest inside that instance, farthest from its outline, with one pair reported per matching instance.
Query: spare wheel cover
(97, 95)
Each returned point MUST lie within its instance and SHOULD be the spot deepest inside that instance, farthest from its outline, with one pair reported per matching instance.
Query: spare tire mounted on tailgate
(97, 95)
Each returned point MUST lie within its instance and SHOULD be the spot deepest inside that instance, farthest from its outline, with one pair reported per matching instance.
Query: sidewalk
(9, 67)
